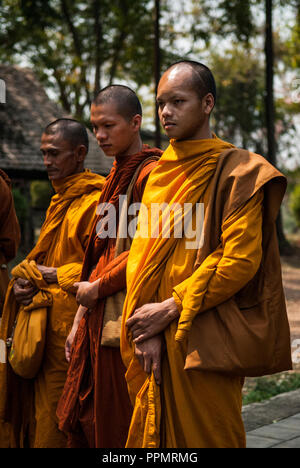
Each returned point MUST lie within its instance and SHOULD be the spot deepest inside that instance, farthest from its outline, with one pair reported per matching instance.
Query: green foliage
(21, 205)
(240, 85)
(267, 387)
(295, 203)
(77, 47)
(73, 45)
(237, 19)
(41, 192)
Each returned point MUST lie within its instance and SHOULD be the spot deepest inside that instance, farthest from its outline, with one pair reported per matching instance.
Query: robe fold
(30, 405)
(9, 242)
(193, 408)
(9, 233)
(95, 408)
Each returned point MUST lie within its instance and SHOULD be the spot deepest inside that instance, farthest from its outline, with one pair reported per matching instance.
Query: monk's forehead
(55, 138)
(111, 105)
(181, 70)
(109, 110)
(179, 77)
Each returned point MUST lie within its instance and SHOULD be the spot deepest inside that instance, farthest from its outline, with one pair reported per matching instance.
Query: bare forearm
(79, 314)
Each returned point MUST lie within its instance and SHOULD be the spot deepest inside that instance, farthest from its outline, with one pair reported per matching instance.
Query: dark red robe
(94, 408)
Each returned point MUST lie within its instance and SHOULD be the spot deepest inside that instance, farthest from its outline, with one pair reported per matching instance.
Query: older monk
(56, 261)
(213, 298)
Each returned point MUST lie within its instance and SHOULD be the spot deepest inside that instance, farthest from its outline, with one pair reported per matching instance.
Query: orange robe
(62, 242)
(95, 408)
(9, 233)
(9, 242)
(191, 408)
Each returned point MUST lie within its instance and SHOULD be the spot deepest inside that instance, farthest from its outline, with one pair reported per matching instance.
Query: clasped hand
(24, 290)
(146, 326)
(87, 293)
(151, 319)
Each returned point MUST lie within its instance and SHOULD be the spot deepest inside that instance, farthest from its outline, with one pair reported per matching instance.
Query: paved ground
(284, 434)
(274, 423)
(291, 284)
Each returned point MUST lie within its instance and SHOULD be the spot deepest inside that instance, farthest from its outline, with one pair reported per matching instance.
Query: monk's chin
(54, 176)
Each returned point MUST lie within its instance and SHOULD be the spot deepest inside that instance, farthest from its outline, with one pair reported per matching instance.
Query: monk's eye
(177, 102)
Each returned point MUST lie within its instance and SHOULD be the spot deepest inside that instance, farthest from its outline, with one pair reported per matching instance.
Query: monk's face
(182, 113)
(116, 136)
(60, 159)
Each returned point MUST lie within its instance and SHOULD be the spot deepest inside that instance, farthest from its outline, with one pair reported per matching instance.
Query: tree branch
(98, 42)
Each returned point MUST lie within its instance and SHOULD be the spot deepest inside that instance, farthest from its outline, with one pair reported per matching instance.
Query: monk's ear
(208, 103)
(81, 153)
(136, 122)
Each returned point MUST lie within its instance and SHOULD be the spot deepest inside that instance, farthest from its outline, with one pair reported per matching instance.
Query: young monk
(56, 261)
(95, 408)
(196, 300)
(9, 242)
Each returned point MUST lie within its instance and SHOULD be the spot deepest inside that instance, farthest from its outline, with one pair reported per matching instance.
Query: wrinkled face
(60, 159)
(182, 113)
(115, 135)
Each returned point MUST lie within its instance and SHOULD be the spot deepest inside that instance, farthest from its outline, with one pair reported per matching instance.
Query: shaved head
(70, 130)
(126, 101)
(202, 79)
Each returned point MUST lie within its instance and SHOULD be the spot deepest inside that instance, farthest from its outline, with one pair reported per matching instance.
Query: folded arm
(222, 274)
(107, 283)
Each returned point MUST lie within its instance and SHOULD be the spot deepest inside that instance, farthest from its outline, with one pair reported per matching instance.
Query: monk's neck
(135, 148)
(203, 133)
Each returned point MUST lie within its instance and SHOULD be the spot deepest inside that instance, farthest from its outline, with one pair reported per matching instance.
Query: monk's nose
(47, 161)
(166, 111)
(101, 136)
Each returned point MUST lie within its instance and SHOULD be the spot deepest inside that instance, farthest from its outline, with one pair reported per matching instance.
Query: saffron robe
(95, 408)
(9, 242)
(31, 405)
(9, 233)
(193, 408)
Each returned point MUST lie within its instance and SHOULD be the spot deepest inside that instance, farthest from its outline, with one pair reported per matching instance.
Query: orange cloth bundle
(29, 336)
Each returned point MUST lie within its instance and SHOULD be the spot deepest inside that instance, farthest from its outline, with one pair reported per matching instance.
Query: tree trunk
(78, 52)
(157, 68)
(269, 99)
(270, 112)
(98, 40)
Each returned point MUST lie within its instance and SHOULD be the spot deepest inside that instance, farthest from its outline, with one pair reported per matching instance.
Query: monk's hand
(149, 355)
(49, 273)
(24, 291)
(87, 293)
(151, 319)
(69, 342)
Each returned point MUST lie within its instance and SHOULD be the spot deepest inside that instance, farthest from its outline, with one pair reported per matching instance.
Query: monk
(9, 233)
(204, 308)
(9, 242)
(56, 261)
(95, 408)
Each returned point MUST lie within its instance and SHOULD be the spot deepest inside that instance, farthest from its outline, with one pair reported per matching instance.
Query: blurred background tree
(41, 192)
(253, 47)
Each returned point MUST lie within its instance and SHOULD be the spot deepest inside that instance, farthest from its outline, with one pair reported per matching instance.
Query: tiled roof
(23, 117)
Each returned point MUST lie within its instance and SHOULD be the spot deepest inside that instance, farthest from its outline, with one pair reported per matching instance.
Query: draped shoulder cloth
(231, 177)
